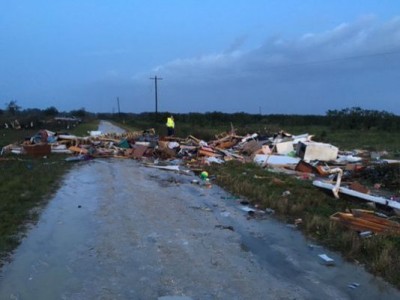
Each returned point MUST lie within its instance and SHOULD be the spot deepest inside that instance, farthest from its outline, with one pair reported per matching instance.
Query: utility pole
(155, 78)
(119, 111)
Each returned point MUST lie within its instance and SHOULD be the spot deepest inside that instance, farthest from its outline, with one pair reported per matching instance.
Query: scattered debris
(367, 197)
(247, 209)
(201, 208)
(225, 227)
(270, 211)
(37, 149)
(168, 168)
(339, 171)
(365, 234)
(265, 160)
(366, 221)
(310, 151)
(295, 155)
(203, 175)
(298, 221)
(312, 246)
(327, 260)
(353, 285)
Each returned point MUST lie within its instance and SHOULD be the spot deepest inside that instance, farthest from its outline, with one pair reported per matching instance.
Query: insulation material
(317, 151)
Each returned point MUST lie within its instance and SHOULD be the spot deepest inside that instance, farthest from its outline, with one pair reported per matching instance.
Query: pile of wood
(365, 220)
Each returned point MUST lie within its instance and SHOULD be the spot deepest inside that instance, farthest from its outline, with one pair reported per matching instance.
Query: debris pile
(296, 155)
(366, 221)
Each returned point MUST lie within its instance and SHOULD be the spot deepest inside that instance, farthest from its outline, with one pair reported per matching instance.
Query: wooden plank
(139, 151)
(366, 222)
(78, 150)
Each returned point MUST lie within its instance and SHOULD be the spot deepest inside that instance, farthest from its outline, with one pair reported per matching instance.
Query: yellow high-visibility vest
(170, 123)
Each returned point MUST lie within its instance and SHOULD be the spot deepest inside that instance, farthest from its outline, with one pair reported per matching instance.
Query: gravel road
(119, 230)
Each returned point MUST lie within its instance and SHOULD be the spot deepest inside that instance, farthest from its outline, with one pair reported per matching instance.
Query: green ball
(204, 175)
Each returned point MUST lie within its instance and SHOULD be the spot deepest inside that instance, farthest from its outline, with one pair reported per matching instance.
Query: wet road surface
(119, 230)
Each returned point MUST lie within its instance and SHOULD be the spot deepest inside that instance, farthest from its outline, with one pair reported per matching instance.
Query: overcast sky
(281, 56)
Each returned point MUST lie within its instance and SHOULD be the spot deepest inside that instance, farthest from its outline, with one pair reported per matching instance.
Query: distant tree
(358, 118)
(81, 113)
(51, 111)
(12, 107)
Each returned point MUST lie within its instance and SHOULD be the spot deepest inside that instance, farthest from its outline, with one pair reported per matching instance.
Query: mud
(119, 230)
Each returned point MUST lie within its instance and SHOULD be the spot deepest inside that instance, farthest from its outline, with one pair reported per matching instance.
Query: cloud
(311, 73)
(237, 44)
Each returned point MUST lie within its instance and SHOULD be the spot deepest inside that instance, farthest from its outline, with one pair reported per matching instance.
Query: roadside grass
(26, 185)
(8, 136)
(373, 140)
(83, 128)
(265, 189)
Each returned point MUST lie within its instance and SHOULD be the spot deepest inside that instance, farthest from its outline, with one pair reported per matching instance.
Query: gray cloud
(237, 44)
(352, 64)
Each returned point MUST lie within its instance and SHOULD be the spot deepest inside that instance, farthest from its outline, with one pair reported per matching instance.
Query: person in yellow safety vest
(170, 126)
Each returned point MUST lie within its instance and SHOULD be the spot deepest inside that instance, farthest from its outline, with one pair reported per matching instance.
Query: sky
(254, 56)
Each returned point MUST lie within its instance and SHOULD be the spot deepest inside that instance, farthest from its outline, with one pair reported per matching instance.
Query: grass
(25, 181)
(373, 140)
(83, 128)
(26, 184)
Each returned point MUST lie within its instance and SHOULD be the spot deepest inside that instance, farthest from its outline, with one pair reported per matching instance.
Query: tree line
(34, 117)
(354, 118)
(362, 119)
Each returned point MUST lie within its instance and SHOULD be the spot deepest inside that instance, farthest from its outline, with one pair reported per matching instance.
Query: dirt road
(119, 230)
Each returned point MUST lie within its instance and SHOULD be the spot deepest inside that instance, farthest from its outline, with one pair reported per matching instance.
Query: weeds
(24, 182)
